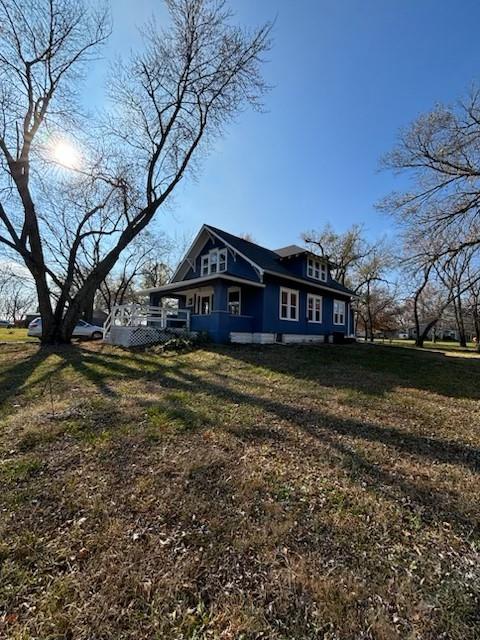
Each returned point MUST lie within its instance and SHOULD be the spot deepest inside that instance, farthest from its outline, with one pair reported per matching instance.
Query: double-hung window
(215, 261)
(234, 301)
(204, 268)
(314, 308)
(288, 304)
(204, 303)
(338, 312)
(317, 269)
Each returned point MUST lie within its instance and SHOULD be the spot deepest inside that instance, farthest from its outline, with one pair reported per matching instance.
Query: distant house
(444, 329)
(237, 291)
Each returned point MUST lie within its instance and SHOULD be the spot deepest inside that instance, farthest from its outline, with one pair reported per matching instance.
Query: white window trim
(317, 265)
(239, 300)
(206, 259)
(314, 297)
(203, 293)
(297, 306)
(339, 324)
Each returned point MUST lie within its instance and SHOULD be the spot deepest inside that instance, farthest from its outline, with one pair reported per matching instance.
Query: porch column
(220, 295)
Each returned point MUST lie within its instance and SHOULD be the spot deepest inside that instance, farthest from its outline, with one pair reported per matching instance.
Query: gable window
(314, 308)
(338, 312)
(317, 269)
(204, 269)
(215, 261)
(288, 304)
(234, 301)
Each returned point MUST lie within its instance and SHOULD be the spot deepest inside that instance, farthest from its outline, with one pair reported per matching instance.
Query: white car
(82, 330)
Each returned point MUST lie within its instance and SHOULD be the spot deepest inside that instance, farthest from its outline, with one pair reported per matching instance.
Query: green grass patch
(15, 335)
(179, 412)
(12, 471)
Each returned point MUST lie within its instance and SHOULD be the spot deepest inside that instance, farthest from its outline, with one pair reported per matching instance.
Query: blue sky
(347, 74)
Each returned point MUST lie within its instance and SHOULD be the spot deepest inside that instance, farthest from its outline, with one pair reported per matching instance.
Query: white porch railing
(144, 315)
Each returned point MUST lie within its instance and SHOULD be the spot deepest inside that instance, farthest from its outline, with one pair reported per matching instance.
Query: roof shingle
(269, 260)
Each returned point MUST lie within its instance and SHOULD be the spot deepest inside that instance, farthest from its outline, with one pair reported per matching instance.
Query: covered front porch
(134, 325)
(216, 306)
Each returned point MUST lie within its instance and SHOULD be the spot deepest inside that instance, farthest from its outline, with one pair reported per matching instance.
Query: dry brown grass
(233, 493)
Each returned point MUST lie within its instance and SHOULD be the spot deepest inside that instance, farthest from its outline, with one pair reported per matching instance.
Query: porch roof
(184, 285)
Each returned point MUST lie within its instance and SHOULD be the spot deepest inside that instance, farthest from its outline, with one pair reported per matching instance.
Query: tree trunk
(88, 306)
(462, 338)
(421, 337)
(476, 325)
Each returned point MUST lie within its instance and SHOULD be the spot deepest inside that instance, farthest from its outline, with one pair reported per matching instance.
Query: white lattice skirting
(140, 336)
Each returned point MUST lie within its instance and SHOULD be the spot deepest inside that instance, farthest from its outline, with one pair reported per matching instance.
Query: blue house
(238, 291)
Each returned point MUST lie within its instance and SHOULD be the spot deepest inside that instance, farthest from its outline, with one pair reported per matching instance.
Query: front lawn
(284, 493)
(15, 335)
(439, 345)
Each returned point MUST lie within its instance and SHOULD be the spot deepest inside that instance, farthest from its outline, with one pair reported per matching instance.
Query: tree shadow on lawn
(100, 368)
(103, 368)
(206, 482)
(334, 432)
(370, 369)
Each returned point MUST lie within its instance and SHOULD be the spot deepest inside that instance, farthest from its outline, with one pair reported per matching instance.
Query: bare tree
(345, 250)
(169, 102)
(455, 274)
(17, 294)
(440, 152)
(439, 215)
(378, 310)
(473, 308)
(372, 286)
(144, 264)
(362, 265)
(439, 281)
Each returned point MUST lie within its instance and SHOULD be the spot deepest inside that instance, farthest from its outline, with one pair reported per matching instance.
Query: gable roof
(271, 261)
(291, 250)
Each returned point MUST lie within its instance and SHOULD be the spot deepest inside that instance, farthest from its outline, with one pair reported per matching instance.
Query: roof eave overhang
(348, 294)
(186, 284)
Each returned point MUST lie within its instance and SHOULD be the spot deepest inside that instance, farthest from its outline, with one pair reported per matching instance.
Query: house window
(189, 302)
(204, 269)
(314, 308)
(215, 261)
(222, 260)
(205, 305)
(317, 269)
(234, 301)
(338, 312)
(288, 304)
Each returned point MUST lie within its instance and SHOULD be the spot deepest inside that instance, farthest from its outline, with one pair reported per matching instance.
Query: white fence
(137, 324)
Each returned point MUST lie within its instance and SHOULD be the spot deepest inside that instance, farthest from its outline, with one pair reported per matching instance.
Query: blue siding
(299, 267)
(271, 311)
(219, 324)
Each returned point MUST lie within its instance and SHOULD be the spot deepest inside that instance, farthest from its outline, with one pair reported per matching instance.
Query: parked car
(5, 324)
(82, 330)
